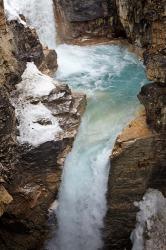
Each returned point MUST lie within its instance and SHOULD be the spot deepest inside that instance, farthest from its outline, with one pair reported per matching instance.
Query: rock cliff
(137, 163)
(87, 19)
(30, 174)
(139, 156)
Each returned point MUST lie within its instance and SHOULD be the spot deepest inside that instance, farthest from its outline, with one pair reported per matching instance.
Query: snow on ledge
(153, 205)
(36, 122)
(34, 83)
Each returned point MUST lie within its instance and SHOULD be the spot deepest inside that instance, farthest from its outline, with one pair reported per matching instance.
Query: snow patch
(153, 205)
(36, 122)
(34, 83)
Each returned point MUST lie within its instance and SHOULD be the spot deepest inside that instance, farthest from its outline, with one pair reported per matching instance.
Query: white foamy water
(111, 77)
(39, 14)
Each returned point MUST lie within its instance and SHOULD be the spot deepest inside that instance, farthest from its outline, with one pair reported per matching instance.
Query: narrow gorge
(82, 125)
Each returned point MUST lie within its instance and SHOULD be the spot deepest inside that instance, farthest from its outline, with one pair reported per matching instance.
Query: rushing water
(39, 14)
(111, 77)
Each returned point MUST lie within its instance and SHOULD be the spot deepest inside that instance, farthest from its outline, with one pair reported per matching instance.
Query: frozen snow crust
(152, 207)
(36, 122)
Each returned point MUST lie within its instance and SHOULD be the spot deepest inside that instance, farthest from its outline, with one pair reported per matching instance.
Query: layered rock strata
(137, 163)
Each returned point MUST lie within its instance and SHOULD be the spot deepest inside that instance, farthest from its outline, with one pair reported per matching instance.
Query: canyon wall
(139, 155)
(87, 19)
(30, 175)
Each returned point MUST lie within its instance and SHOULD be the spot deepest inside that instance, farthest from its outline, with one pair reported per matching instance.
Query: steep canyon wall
(30, 175)
(139, 156)
(87, 19)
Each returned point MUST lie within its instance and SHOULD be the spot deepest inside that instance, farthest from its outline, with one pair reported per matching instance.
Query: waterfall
(39, 14)
(111, 77)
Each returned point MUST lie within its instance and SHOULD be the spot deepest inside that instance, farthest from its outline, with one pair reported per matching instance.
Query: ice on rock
(152, 206)
(34, 83)
(30, 127)
(36, 122)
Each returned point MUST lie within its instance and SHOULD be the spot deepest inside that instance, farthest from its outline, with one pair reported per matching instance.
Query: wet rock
(138, 158)
(49, 64)
(28, 46)
(77, 11)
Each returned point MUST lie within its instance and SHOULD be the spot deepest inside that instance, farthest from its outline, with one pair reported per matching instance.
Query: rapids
(111, 77)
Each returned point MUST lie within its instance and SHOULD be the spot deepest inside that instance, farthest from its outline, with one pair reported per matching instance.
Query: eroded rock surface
(87, 19)
(137, 163)
(153, 97)
(49, 63)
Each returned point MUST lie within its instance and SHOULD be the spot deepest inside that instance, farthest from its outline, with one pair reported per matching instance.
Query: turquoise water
(111, 77)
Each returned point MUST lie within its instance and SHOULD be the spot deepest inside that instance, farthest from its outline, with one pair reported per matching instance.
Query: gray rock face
(142, 20)
(80, 11)
(28, 46)
(156, 237)
(153, 97)
(137, 163)
(91, 19)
